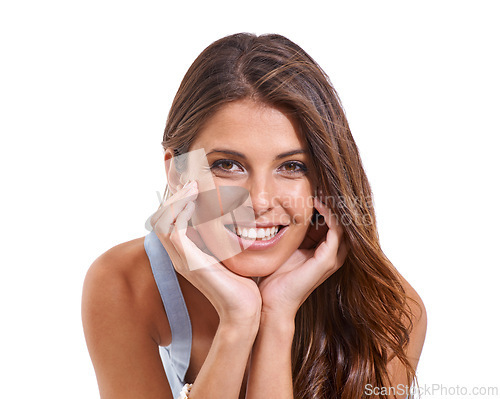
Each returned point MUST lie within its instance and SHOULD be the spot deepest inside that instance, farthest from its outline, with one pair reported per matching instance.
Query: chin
(250, 264)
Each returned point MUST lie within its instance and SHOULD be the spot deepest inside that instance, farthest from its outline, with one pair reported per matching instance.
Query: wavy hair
(359, 319)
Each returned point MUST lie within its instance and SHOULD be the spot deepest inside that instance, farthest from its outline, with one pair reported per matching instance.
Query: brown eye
(225, 166)
(294, 167)
(291, 167)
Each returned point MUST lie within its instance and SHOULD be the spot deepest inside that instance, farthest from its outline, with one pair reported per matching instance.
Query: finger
(177, 257)
(325, 261)
(180, 226)
(342, 253)
(181, 222)
(181, 192)
(326, 254)
(330, 218)
(316, 269)
(168, 214)
(194, 257)
(171, 250)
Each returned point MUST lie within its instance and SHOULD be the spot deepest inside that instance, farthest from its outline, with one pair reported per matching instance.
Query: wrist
(247, 316)
(247, 327)
(280, 322)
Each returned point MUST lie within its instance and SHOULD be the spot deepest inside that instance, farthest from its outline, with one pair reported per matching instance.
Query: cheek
(300, 206)
(216, 239)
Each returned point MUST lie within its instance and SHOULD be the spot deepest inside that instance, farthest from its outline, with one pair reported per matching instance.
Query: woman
(282, 293)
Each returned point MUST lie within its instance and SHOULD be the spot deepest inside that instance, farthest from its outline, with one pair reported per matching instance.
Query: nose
(261, 194)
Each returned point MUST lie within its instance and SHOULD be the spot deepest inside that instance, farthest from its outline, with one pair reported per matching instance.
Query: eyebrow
(239, 154)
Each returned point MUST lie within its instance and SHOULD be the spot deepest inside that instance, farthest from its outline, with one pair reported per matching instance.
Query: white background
(85, 90)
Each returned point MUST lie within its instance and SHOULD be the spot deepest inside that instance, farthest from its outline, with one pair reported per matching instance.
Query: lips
(254, 233)
(256, 243)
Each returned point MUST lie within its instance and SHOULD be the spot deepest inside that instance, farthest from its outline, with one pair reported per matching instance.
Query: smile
(262, 234)
(256, 238)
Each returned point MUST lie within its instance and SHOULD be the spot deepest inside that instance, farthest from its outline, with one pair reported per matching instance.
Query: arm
(119, 337)
(283, 293)
(123, 342)
(222, 373)
(397, 371)
(271, 364)
(271, 355)
(235, 298)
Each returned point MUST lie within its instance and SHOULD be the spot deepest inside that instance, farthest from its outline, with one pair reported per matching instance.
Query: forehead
(249, 126)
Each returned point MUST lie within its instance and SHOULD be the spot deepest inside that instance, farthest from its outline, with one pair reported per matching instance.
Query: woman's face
(257, 147)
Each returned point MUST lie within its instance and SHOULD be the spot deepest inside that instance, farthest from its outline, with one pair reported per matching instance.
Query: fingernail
(187, 183)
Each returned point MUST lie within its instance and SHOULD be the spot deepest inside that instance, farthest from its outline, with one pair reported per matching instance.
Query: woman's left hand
(284, 291)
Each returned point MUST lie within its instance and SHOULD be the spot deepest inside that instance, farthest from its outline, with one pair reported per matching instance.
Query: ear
(173, 176)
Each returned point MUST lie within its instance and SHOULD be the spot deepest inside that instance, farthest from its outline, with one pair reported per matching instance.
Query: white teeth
(261, 233)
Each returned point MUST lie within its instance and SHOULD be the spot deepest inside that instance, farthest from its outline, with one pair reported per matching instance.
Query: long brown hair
(353, 324)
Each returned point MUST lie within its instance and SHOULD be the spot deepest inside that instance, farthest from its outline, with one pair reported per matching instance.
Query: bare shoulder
(122, 278)
(418, 309)
(395, 368)
(122, 315)
(419, 322)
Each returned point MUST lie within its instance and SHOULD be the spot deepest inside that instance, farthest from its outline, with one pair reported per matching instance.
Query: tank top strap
(176, 356)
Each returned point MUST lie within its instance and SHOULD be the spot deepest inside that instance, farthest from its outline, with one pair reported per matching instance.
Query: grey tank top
(175, 357)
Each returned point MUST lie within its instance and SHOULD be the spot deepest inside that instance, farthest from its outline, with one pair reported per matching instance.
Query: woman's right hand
(236, 298)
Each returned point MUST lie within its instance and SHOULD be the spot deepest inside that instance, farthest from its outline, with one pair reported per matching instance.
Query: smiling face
(257, 147)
